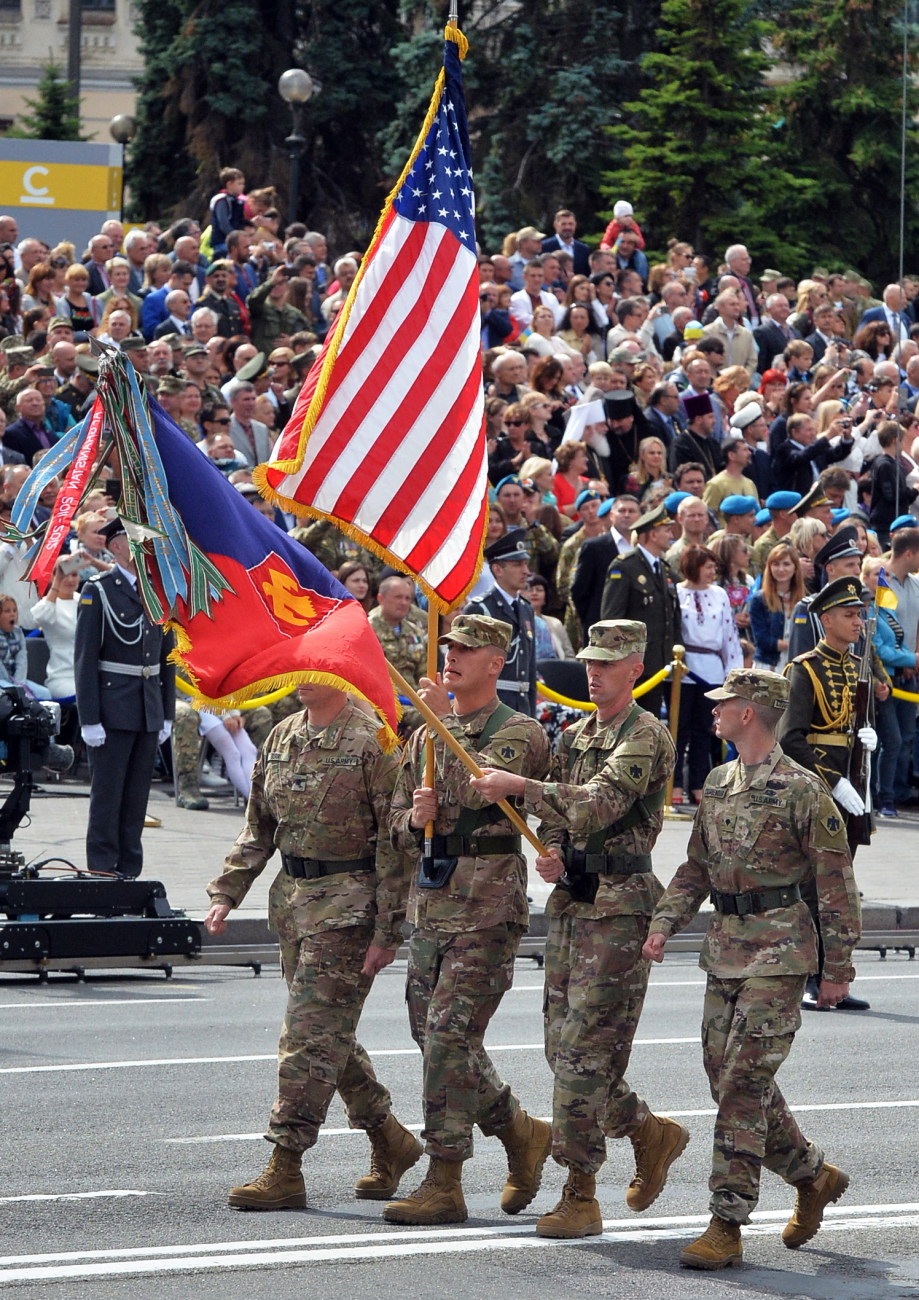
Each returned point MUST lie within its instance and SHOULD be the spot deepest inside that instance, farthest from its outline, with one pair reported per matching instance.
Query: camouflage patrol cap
(615, 638)
(479, 631)
(12, 341)
(753, 684)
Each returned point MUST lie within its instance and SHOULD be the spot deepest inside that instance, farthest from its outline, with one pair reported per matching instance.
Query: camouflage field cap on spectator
(753, 684)
(20, 356)
(134, 343)
(615, 638)
(171, 384)
(11, 342)
(60, 323)
(479, 631)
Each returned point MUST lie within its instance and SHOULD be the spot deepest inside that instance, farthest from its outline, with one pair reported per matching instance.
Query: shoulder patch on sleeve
(830, 832)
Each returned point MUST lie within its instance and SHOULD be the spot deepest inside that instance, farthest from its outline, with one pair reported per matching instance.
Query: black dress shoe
(809, 1001)
(849, 1003)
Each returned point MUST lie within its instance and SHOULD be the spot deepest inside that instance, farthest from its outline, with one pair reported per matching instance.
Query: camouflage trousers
(455, 986)
(748, 1027)
(595, 989)
(318, 1053)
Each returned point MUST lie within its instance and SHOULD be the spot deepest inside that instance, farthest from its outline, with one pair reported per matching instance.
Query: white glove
(166, 732)
(869, 738)
(848, 798)
(93, 735)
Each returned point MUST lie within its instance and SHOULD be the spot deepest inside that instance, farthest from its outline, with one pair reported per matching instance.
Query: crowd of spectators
(763, 414)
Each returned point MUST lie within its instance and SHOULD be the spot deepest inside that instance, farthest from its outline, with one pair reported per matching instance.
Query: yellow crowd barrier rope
(585, 705)
(255, 703)
(904, 695)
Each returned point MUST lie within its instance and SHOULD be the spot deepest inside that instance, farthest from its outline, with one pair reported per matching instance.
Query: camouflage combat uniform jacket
(765, 827)
(482, 892)
(333, 548)
(327, 798)
(594, 782)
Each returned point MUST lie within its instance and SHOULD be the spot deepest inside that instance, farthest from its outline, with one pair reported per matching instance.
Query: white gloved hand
(93, 735)
(848, 798)
(869, 738)
(165, 732)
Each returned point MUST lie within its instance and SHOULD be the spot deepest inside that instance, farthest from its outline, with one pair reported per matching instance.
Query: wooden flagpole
(433, 632)
(435, 723)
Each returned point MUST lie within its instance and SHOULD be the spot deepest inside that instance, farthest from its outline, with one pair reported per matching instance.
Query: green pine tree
(55, 111)
(838, 124)
(696, 140)
(539, 80)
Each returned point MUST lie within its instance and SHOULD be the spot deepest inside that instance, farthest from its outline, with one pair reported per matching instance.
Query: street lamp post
(122, 129)
(295, 87)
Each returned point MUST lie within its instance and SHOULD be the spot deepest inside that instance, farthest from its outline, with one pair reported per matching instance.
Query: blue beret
(839, 514)
(738, 505)
(508, 478)
(783, 500)
(589, 494)
(605, 508)
(762, 517)
(673, 500)
(903, 521)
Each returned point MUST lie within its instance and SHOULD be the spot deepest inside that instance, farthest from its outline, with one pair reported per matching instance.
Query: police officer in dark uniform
(126, 703)
(508, 560)
(817, 729)
(639, 587)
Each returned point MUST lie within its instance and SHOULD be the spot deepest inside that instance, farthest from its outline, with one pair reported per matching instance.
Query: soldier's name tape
(587, 707)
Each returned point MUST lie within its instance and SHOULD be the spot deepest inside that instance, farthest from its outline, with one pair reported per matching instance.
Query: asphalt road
(132, 1103)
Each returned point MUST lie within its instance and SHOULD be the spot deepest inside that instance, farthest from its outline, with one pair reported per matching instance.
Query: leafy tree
(542, 81)
(696, 140)
(55, 111)
(208, 99)
(838, 120)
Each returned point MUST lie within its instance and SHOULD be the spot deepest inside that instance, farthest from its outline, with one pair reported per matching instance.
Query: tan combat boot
(657, 1144)
(577, 1213)
(814, 1195)
(392, 1150)
(718, 1247)
(438, 1199)
(527, 1142)
(187, 793)
(278, 1187)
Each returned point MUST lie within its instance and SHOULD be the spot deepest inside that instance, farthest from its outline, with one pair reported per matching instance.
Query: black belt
(483, 846)
(314, 868)
(757, 900)
(605, 864)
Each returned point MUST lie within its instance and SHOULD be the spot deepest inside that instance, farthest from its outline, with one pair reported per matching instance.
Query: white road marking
(76, 1196)
(662, 1110)
(78, 1005)
(230, 1060)
(401, 1244)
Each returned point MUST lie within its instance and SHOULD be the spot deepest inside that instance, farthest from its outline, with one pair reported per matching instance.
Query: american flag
(387, 436)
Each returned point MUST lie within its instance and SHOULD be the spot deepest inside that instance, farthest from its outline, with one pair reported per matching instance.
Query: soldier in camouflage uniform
(321, 791)
(601, 814)
(468, 902)
(764, 827)
(403, 638)
(333, 548)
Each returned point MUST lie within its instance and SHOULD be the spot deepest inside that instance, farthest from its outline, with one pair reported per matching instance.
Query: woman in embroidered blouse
(712, 650)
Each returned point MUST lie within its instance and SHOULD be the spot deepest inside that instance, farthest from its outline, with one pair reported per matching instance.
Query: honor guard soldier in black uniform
(639, 587)
(126, 703)
(838, 557)
(509, 563)
(817, 729)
